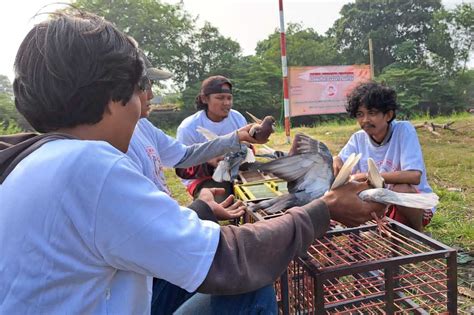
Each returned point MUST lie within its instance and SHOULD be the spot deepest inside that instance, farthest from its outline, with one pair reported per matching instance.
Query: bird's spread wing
(265, 149)
(374, 177)
(305, 144)
(270, 153)
(386, 196)
(418, 201)
(308, 169)
(346, 170)
(255, 119)
(209, 135)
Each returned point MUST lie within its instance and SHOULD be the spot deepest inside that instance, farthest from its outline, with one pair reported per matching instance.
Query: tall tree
(168, 35)
(210, 52)
(162, 30)
(392, 24)
(422, 89)
(463, 32)
(305, 47)
(11, 120)
(441, 54)
(256, 86)
(5, 85)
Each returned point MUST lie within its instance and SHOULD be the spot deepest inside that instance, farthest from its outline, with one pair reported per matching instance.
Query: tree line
(420, 48)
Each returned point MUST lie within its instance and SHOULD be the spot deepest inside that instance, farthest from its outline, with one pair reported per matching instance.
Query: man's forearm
(402, 177)
(202, 152)
(251, 256)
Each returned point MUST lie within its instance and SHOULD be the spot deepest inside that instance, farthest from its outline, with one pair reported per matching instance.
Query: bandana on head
(218, 85)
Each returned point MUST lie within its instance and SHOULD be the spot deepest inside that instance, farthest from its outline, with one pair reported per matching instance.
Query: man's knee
(404, 188)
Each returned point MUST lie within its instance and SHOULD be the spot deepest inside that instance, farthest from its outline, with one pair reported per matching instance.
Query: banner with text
(323, 90)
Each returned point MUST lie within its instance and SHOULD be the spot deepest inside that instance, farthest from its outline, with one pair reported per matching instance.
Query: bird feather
(209, 135)
(308, 172)
(411, 200)
(346, 170)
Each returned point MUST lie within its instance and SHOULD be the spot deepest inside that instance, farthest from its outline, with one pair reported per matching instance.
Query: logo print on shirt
(158, 169)
(386, 166)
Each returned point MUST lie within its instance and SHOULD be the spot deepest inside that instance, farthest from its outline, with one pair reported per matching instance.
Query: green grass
(449, 160)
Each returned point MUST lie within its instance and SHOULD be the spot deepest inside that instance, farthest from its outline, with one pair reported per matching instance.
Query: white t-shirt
(401, 153)
(188, 135)
(82, 231)
(152, 150)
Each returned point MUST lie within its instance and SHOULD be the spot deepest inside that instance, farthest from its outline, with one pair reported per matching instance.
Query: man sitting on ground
(393, 145)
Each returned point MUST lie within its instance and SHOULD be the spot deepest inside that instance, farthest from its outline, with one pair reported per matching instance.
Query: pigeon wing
(385, 196)
(255, 119)
(374, 177)
(346, 170)
(209, 135)
(289, 168)
(308, 169)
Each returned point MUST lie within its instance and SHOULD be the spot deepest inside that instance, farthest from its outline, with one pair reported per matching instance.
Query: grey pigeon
(307, 169)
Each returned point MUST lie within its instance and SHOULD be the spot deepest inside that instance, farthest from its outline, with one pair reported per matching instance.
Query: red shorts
(392, 213)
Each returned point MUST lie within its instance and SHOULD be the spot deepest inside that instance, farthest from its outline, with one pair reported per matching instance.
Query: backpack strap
(14, 148)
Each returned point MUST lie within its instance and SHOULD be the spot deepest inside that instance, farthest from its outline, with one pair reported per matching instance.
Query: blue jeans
(168, 298)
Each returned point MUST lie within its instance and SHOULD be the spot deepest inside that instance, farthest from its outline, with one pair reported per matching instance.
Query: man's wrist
(319, 214)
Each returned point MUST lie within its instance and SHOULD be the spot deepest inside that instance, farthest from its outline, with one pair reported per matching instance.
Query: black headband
(218, 86)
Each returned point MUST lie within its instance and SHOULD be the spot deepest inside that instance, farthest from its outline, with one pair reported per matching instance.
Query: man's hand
(346, 207)
(215, 161)
(359, 177)
(226, 210)
(244, 135)
(336, 165)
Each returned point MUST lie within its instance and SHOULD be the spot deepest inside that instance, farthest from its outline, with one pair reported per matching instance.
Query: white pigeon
(389, 197)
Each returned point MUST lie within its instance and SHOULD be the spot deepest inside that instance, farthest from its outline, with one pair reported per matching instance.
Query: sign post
(284, 69)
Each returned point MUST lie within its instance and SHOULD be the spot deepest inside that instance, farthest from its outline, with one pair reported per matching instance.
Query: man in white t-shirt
(393, 145)
(152, 150)
(215, 113)
(83, 231)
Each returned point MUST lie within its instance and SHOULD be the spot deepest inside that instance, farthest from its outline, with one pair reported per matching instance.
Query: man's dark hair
(212, 85)
(372, 95)
(68, 68)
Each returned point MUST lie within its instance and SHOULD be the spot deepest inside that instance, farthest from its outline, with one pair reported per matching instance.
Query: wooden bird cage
(361, 271)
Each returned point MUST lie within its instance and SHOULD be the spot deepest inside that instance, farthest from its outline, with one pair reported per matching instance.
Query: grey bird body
(307, 169)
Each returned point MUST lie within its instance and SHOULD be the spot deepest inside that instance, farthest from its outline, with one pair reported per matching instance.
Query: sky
(245, 21)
